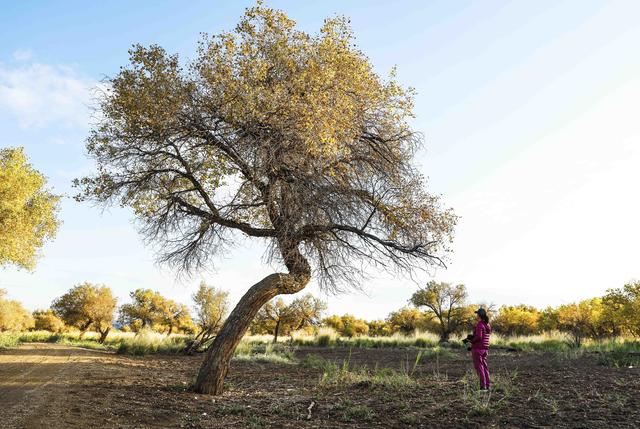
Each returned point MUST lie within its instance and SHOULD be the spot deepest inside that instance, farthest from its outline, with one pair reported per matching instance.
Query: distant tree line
(90, 307)
(441, 308)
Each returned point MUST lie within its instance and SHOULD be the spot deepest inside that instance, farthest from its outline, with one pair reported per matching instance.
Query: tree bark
(216, 364)
(103, 335)
(84, 328)
(275, 334)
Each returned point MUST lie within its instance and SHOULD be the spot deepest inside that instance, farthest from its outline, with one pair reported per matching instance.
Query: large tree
(87, 306)
(28, 211)
(274, 134)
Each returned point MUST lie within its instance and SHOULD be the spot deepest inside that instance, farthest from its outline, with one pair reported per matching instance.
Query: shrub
(148, 342)
(46, 320)
(13, 316)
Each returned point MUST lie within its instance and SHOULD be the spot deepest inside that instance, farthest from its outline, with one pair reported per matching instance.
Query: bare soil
(55, 386)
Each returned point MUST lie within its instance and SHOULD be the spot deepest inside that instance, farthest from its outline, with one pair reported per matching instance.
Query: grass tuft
(271, 353)
(346, 376)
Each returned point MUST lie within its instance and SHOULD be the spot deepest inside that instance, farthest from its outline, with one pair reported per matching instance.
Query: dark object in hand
(468, 339)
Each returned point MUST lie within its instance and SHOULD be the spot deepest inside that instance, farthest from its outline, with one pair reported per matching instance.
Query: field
(60, 385)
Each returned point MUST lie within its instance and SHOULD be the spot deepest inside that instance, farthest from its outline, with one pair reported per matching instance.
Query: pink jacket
(481, 335)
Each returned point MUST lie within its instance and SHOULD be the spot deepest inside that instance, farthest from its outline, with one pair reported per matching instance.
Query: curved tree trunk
(216, 364)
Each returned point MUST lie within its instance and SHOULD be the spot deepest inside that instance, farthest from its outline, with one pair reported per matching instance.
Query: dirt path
(35, 378)
(52, 386)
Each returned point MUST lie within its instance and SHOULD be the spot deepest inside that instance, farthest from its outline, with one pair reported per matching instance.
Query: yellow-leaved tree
(276, 134)
(28, 211)
(87, 306)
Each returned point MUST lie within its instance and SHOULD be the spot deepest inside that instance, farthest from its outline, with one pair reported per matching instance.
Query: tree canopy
(13, 316)
(517, 320)
(347, 325)
(28, 211)
(149, 309)
(273, 133)
(46, 320)
(87, 306)
(212, 307)
(622, 309)
(408, 320)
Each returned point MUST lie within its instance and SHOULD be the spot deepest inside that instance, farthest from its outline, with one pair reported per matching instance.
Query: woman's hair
(482, 313)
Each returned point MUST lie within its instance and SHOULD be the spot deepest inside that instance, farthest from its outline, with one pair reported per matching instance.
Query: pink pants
(480, 364)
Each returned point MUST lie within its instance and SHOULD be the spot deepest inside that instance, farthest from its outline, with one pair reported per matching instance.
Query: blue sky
(529, 111)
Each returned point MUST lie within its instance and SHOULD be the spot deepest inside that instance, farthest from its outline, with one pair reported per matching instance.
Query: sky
(529, 112)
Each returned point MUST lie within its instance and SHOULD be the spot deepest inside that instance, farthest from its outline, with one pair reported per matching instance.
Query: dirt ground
(55, 386)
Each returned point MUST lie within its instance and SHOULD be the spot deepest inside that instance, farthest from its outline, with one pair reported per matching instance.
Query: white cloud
(39, 94)
(22, 55)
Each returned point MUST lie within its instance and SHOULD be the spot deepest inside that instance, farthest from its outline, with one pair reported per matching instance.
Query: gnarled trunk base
(216, 364)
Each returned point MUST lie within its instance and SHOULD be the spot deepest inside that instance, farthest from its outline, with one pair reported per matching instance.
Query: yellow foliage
(27, 210)
(13, 316)
(517, 320)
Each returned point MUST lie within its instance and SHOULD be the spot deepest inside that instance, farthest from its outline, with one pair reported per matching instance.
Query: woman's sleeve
(478, 334)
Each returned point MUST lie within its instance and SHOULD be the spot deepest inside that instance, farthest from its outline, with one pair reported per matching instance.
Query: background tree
(548, 320)
(145, 311)
(46, 320)
(174, 317)
(276, 317)
(582, 320)
(380, 328)
(13, 316)
(621, 309)
(307, 311)
(408, 320)
(312, 148)
(85, 307)
(347, 325)
(28, 211)
(516, 320)
(447, 304)
(212, 307)
(272, 317)
(149, 309)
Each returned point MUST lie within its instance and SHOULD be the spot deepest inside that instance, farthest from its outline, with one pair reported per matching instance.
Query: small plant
(409, 419)
(256, 422)
(357, 413)
(316, 362)
(233, 409)
(620, 359)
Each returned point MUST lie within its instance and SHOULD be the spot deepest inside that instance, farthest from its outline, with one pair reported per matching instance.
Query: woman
(480, 348)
